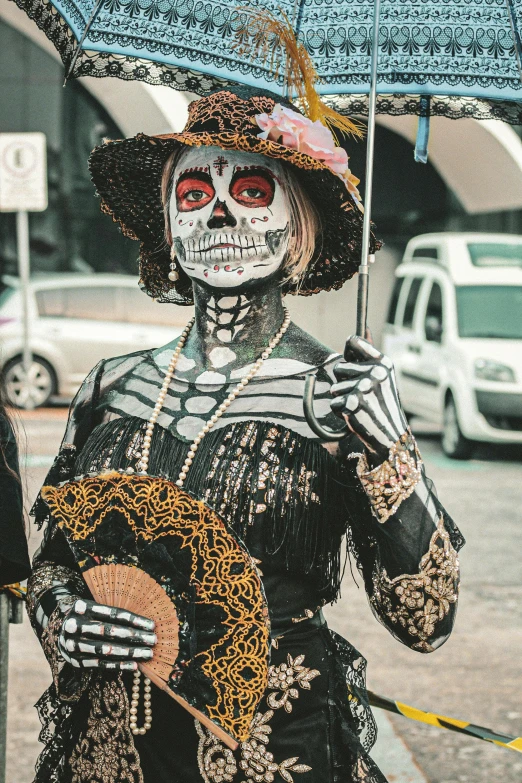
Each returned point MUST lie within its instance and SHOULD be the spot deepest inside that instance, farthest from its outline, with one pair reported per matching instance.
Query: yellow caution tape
(16, 589)
(443, 722)
(515, 744)
(427, 717)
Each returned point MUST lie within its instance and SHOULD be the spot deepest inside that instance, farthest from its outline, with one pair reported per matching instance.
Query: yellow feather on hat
(300, 75)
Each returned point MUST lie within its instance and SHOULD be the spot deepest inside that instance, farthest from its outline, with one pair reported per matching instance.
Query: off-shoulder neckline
(267, 423)
(333, 357)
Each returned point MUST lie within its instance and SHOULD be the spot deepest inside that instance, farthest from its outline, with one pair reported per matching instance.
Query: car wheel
(37, 391)
(454, 444)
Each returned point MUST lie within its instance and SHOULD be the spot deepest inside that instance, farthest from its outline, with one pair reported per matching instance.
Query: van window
(434, 318)
(93, 303)
(495, 253)
(426, 252)
(411, 301)
(141, 309)
(394, 301)
(50, 302)
(491, 311)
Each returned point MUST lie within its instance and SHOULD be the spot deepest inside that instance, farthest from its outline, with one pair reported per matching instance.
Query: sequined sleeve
(393, 481)
(407, 549)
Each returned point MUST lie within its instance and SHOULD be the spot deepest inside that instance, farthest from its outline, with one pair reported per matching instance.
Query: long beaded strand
(144, 464)
(133, 722)
(144, 460)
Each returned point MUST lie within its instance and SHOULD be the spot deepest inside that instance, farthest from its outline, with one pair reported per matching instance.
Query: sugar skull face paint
(229, 216)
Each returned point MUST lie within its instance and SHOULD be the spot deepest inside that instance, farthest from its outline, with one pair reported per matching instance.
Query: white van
(454, 332)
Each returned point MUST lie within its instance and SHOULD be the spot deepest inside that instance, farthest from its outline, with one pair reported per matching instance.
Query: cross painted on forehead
(220, 164)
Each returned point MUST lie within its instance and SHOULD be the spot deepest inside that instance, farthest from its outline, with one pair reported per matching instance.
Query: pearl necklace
(144, 460)
(133, 722)
(144, 464)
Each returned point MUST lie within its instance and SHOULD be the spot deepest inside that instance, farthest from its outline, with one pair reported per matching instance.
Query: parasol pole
(517, 42)
(366, 258)
(326, 433)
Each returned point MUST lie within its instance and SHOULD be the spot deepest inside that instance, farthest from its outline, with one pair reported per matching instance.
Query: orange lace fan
(131, 588)
(145, 545)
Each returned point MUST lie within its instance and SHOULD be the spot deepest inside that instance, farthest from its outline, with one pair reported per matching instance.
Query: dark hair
(7, 430)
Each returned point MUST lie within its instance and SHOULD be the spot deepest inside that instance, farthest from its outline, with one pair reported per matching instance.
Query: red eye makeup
(193, 192)
(252, 188)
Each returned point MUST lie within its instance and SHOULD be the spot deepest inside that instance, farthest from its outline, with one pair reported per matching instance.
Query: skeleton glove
(98, 636)
(366, 397)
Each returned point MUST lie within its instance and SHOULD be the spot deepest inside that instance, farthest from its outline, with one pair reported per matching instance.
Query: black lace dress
(291, 502)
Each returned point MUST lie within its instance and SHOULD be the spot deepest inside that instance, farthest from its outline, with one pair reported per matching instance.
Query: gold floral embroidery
(258, 763)
(237, 475)
(270, 480)
(393, 481)
(418, 602)
(290, 483)
(105, 752)
(307, 615)
(284, 678)
(217, 764)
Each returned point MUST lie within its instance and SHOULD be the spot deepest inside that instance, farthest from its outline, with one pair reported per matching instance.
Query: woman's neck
(228, 324)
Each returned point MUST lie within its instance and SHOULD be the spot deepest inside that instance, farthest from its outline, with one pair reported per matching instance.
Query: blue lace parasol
(462, 49)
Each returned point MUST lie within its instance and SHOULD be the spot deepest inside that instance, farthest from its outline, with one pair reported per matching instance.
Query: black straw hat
(128, 173)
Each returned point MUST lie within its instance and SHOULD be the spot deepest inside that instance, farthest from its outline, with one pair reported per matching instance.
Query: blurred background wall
(473, 180)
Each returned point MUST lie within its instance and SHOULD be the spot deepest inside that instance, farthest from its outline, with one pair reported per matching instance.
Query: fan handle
(220, 733)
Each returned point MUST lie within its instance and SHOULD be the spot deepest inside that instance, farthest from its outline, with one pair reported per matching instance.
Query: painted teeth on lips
(210, 242)
(227, 268)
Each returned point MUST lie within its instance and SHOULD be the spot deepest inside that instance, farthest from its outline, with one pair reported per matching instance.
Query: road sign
(23, 189)
(23, 172)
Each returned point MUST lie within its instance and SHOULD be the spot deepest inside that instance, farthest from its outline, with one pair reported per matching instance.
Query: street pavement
(476, 676)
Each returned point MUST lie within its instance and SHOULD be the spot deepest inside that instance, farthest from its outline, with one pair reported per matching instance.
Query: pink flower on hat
(291, 129)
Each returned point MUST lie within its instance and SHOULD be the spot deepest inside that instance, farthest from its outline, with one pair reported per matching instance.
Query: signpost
(23, 189)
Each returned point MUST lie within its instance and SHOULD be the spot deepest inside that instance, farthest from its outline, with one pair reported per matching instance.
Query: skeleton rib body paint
(229, 217)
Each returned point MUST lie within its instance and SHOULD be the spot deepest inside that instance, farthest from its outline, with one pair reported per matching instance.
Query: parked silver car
(76, 320)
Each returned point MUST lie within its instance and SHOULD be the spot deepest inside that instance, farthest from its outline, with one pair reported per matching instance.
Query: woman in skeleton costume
(250, 202)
